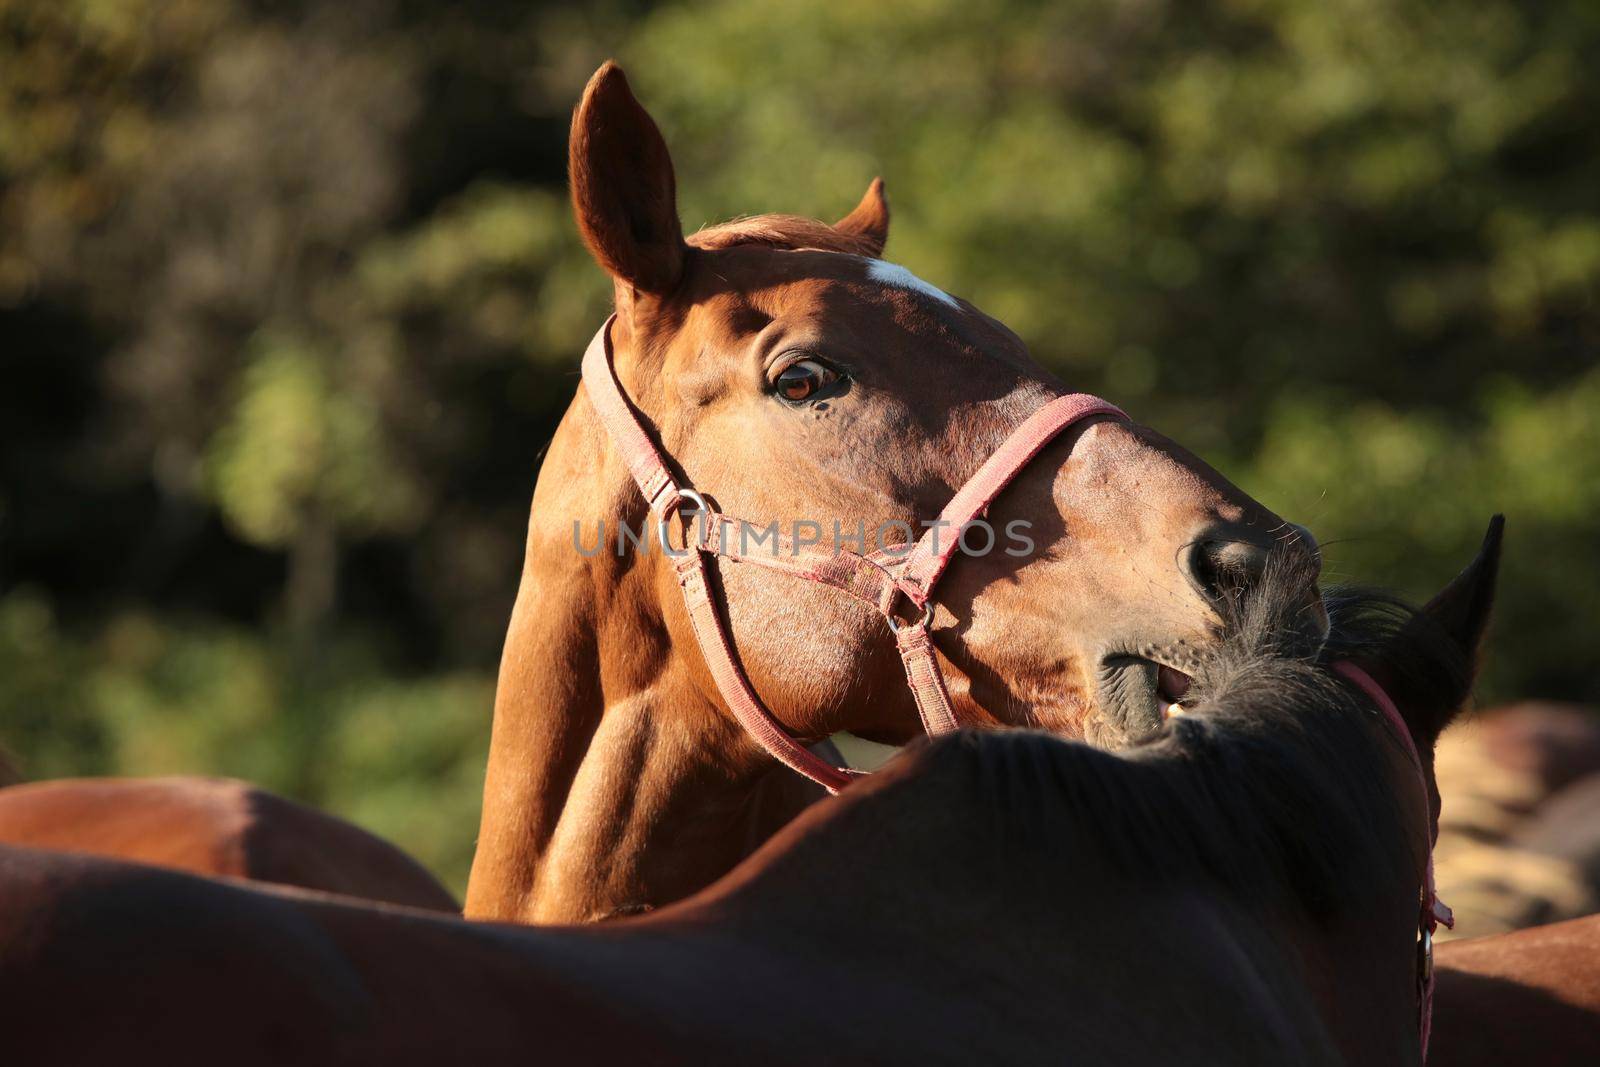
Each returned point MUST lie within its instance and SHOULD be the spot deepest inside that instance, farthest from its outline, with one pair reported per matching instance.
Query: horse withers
(1240, 888)
(792, 377)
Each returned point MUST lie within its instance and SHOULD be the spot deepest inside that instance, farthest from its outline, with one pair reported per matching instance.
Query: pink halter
(879, 579)
(1434, 912)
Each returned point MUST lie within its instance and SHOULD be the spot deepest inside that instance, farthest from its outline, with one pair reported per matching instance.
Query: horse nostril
(1225, 570)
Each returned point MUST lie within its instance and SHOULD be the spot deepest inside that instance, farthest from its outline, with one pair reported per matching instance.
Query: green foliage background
(290, 302)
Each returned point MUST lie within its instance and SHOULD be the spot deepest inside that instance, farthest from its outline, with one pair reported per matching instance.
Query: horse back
(215, 826)
(1530, 996)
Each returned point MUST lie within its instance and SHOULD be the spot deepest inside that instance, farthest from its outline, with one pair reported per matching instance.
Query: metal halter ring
(927, 616)
(699, 502)
(685, 519)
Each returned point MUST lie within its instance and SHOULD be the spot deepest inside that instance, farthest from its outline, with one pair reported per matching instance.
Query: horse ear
(870, 219)
(623, 190)
(1462, 608)
(1460, 615)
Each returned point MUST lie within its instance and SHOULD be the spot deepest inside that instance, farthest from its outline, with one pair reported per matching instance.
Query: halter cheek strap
(1433, 912)
(879, 580)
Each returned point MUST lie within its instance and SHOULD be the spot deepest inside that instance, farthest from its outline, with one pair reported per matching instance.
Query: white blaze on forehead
(894, 274)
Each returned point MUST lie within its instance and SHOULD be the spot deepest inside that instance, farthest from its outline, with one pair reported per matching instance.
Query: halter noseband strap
(879, 579)
(1433, 912)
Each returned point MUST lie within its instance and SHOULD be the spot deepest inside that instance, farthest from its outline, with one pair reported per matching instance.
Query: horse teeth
(1172, 709)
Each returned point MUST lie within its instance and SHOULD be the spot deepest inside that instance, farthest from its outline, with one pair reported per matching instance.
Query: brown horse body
(141, 966)
(1008, 959)
(215, 826)
(796, 379)
(1527, 997)
(1240, 889)
(1519, 844)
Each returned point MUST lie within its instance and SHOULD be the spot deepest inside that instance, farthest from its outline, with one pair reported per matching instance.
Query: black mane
(1274, 783)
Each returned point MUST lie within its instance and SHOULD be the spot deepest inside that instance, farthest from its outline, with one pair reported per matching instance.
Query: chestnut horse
(1242, 888)
(788, 373)
(1530, 998)
(215, 826)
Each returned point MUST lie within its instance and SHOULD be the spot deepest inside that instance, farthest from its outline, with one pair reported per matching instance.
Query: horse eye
(801, 381)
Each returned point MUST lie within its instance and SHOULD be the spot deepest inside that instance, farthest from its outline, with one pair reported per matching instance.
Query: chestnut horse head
(794, 377)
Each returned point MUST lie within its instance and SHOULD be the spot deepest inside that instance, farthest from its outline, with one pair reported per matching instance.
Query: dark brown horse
(797, 379)
(216, 826)
(1240, 889)
(1530, 998)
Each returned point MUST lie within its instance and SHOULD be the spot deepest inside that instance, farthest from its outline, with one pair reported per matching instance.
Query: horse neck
(613, 783)
(916, 864)
(1362, 979)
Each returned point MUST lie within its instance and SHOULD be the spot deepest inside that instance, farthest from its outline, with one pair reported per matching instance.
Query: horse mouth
(1138, 694)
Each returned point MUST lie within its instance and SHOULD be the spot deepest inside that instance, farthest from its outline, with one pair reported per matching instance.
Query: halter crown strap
(1434, 912)
(878, 580)
(644, 462)
(1380, 696)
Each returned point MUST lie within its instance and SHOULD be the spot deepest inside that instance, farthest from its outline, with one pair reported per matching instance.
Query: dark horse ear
(623, 190)
(1459, 615)
(1462, 608)
(870, 219)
